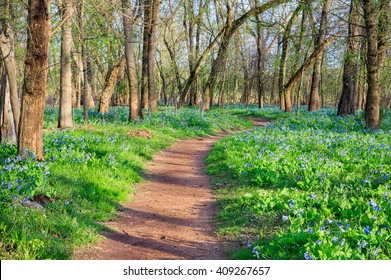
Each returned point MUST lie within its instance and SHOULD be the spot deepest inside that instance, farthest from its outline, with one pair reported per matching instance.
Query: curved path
(170, 215)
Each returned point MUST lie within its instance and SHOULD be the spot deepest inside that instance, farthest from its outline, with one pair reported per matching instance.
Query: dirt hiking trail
(170, 215)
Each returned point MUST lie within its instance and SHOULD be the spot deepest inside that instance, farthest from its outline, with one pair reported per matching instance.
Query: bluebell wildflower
(366, 181)
(255, 251)
(318, 242)
(285, 218)
(341, 242)
(307, 256)
(334, 239)
(367, 230)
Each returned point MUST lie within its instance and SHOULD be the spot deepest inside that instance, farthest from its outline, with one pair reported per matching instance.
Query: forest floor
(170, 216)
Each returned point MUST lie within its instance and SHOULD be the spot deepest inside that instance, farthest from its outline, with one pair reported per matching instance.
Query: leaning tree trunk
(7, 126)
(111, 82)
(350, 71)
(226, 34)
(372, 107)
(282, 73)
(8, 57)
(65, 115)
(316, 74)
(35, 79)
(316, 53)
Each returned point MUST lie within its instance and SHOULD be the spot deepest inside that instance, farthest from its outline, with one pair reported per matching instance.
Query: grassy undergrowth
(315, 186)
(88, 171)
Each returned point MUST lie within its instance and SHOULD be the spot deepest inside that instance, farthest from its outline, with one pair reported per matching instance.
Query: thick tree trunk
(128, 20)
(316, 75)
(111, 82)
(8, 57)
(372, 107)
(65, 115)
(350, 71)
(7, 125)
(35, 79)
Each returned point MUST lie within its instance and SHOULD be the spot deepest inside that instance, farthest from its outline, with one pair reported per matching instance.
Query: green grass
(310, 187)
(87, 173)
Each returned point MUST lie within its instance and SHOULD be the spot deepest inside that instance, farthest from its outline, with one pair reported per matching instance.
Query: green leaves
(328, 175)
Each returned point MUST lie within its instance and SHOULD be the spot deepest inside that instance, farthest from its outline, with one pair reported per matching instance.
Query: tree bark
(227, 33)
(65, 114)
(35, 79)
(8, 57)
(153, 95)
(145, 56)
(111, 82)
(350, 71)
(284, 53)
(372, 107)
(7, 125)
(128, 21)
(316, 74)
(316, 53)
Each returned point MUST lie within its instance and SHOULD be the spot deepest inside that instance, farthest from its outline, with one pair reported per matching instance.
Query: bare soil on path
(170, 215)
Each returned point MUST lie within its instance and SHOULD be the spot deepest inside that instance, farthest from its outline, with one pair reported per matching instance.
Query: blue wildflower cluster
(328, 176)
(20, 177)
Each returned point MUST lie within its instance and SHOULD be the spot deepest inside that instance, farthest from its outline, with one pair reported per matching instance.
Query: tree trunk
(174, 63)
(316, 53)
(189, 23)
(84, 62)
(128, 20)
(7, 125)
(316, 75)
(151, 56)
(284, 53)
(111, 82)
(145, 59)
(65, 114)
(350, 71)
(372, 107)
(8, 57)
(227, 33)
(35, 79)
